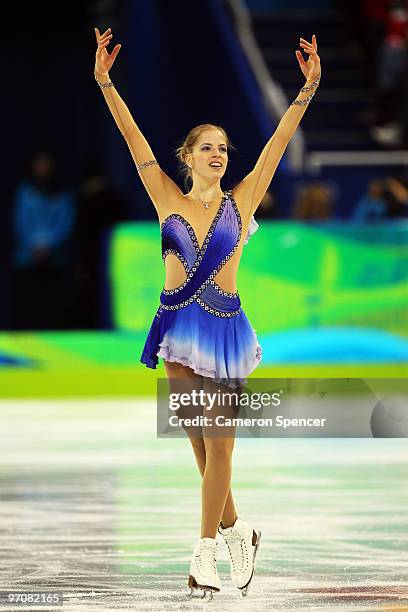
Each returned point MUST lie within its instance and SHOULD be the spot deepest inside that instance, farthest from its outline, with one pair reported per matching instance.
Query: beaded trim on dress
(200, 255)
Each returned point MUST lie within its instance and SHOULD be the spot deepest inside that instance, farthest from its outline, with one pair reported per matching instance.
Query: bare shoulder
(167, 195)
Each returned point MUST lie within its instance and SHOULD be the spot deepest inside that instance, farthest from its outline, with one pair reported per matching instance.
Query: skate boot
(243, 543)
(203, 569)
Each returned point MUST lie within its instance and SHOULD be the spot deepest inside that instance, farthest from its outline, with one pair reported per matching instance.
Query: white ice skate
(243, 543)
(203, 569)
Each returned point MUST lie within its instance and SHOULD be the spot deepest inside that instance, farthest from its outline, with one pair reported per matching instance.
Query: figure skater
(200, 329)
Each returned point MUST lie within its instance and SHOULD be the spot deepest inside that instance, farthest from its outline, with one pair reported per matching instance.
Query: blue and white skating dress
(198, 324)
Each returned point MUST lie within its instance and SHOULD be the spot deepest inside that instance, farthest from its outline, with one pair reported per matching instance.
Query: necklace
(206, 204)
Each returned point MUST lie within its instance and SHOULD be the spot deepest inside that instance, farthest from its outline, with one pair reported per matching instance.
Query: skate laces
(238, 552)
(206, 560)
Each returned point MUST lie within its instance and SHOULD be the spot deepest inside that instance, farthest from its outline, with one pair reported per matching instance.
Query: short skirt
(224, 348)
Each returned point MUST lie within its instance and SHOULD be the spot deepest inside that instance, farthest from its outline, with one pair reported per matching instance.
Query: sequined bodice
(220, 243)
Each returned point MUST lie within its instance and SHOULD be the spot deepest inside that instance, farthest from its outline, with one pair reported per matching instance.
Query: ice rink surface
(94, 505)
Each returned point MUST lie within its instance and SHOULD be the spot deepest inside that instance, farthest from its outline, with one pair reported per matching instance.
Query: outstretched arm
(253, 187)
(158, 185)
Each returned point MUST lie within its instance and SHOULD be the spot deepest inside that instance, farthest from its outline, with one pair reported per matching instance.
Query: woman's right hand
(104, 60)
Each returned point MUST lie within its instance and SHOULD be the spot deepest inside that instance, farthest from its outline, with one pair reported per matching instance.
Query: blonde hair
(188, 145)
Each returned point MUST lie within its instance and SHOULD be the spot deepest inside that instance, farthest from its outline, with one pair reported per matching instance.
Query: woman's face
(209, 158)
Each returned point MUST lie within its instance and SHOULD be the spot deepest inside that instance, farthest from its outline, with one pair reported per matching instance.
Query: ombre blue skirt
(219, 343)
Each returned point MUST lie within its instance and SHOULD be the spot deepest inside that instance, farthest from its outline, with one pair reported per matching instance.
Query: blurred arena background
(324, 283)
(328, 268)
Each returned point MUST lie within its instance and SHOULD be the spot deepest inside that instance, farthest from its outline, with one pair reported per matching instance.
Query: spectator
(100, 208)
(396, 196)
(385, 199)
(315, 202)
(372, 206)
(366, 24)
(391, 86)
(43, 223)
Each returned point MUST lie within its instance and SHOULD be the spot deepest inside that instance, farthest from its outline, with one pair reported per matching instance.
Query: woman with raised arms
(200, 330)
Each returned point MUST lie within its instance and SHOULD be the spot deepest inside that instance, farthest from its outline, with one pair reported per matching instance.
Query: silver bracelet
(313, 85)
(303, 102)
(152, 162)
(102, 85)
(305, 90)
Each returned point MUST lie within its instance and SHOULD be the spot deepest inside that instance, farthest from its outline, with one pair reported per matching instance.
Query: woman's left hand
(311, 68)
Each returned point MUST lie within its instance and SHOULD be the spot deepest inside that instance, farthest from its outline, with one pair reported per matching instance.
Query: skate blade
(195, 588)
(244, 589)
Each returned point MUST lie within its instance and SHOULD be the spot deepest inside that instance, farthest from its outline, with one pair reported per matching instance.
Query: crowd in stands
(58, 235)
(57, 248)
(384, 199)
